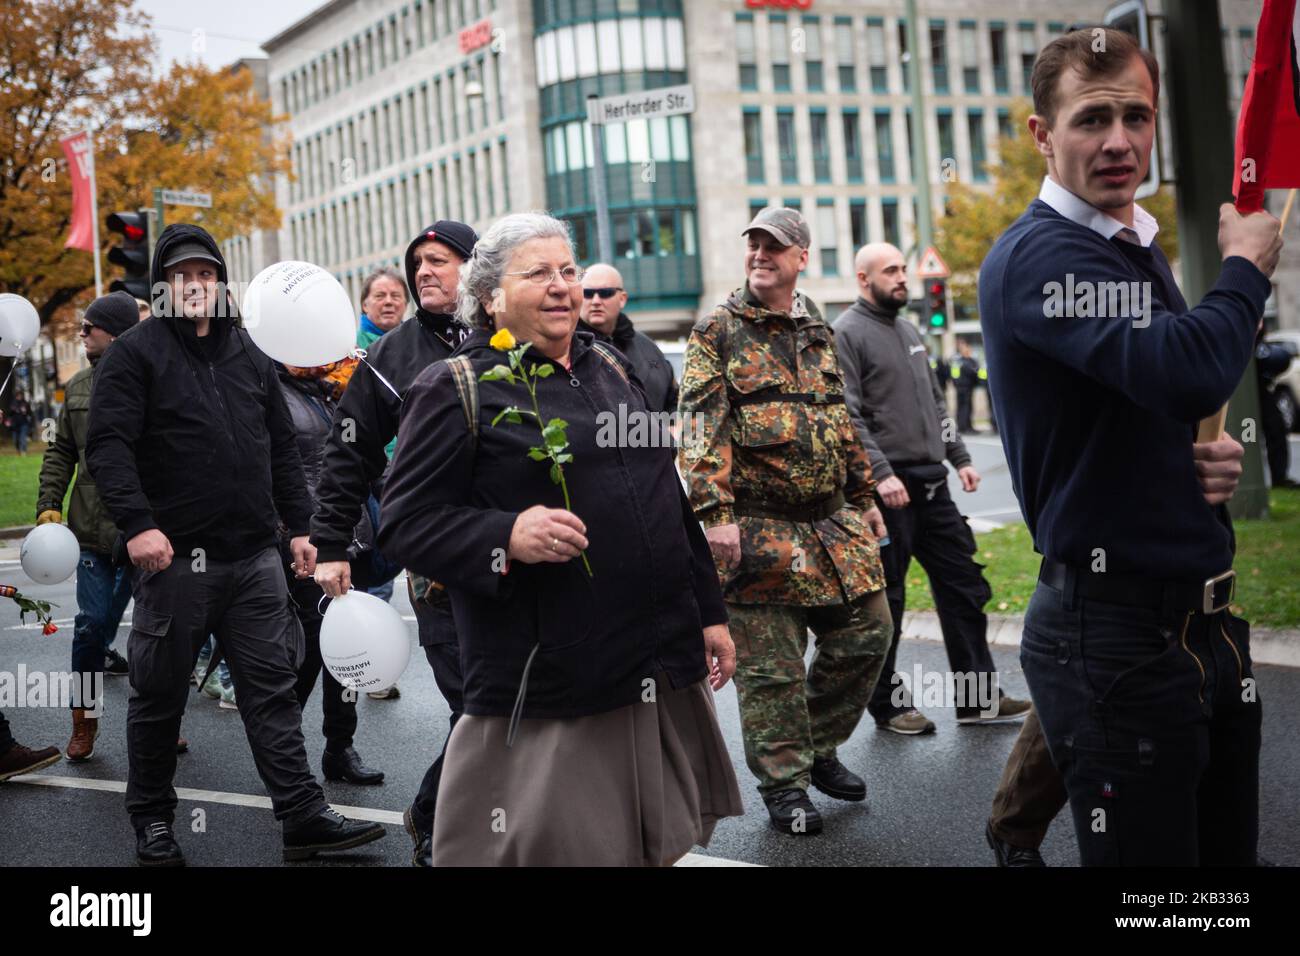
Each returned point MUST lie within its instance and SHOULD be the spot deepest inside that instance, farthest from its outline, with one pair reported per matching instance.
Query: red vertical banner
(1268, 135)
(81, 167)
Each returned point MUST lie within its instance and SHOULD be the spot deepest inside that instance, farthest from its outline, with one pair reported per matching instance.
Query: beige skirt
(638, 786)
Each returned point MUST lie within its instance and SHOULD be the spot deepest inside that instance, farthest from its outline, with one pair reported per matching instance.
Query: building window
(437, 105)
(827, 235)
(876, 55)
(998, 54)
(904, 48)
(858, 223)
(752, 122)
(496, 76)
(812, 28)
(1005, 128)
(745, 52)
(889, 220)
(505, 177)
(1246, 46)
(970, 56)
(844, 55)
(786, 149)
(792, 203)
(821, 147)
(1028, 53)
(978, 154)
(755, 207)
(780, 44)
(939, 55)
(885, 146)
(1056, 29)
(947, 143)
(852, 146)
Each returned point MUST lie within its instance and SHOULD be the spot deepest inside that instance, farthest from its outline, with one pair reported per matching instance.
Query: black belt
(768, 395)
(813, 511)
(1134, 590)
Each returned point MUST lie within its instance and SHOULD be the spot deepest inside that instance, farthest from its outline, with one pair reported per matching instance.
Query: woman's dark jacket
(448, 511)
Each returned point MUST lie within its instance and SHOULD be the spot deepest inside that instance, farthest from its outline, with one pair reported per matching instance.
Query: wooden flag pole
(1211, 429)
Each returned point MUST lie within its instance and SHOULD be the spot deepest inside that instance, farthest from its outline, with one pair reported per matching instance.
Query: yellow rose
(503, 341)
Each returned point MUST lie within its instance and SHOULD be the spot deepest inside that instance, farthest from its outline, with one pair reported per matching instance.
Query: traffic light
(936, 305)
(132, 255)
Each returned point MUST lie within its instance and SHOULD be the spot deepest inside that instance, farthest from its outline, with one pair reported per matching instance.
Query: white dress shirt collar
(1142, 232)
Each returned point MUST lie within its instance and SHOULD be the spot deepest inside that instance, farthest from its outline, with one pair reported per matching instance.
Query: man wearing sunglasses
(103, 587)
(603, 301)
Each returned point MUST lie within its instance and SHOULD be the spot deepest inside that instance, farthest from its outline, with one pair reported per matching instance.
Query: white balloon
(20, 324)
(299, 314)
(50, 553)
(363, 642)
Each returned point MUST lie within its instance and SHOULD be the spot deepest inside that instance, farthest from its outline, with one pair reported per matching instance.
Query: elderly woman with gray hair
(589, 735)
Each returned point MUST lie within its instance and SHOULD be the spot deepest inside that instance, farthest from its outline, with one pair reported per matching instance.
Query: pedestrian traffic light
(132, 255)
(936, 304)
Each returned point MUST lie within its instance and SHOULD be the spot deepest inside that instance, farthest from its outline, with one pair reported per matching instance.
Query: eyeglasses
(570, 275)
(88, 327)
(604, 293)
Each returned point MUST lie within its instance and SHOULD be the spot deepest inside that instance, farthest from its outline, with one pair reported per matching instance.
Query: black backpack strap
(606, 353)
(462, 376)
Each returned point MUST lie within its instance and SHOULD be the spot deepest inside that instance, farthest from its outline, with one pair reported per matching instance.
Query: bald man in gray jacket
(900, 413)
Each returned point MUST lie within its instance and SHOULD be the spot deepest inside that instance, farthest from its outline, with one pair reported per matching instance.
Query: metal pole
(920, 152)
(94, 211)
(1203, 138)
(604, 245)
(156, 225)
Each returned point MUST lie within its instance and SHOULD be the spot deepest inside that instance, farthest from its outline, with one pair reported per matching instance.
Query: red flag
(1268, 136)
(81, 166)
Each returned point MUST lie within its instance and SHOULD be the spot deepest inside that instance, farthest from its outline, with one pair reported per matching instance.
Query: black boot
(423, 840)
(346, 765)
(1008, 855)
(792, 812)
(327, 831)
(155, 845)
(836, 780)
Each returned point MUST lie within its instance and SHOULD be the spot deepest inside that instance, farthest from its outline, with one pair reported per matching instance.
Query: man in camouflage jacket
(782, 484)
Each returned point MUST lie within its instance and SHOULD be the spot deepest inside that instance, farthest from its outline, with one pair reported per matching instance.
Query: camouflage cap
(784, 224)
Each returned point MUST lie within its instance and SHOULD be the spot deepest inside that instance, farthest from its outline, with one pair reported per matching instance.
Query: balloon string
(360, 356)
(10, 375)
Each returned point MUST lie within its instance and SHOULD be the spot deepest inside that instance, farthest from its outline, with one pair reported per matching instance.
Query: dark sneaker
(327, 831)
(910, 722)
(422, 855)
(1008, 855)
(1007, 710)
(346, 765)
(114, 664)
(155, 845)
(18, 760)
(836, 780)
(792, 812)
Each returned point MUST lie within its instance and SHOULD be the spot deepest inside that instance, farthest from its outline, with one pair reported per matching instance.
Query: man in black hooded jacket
(603, 301)
(194, 455)
(355, 459)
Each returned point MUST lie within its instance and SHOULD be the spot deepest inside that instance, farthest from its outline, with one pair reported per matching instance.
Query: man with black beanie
(355, 460)
(103, 585)
(195, 457)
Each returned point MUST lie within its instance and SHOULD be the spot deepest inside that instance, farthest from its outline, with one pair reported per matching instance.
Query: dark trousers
(933, 530)
(1031, 792)
(339, 704)
(1154, 723)
(245, 604)
(103, 592)
(434, 621)
(6, 737)
(1273, 426)
(964, 407)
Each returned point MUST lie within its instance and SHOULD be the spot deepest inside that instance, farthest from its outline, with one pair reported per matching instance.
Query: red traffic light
(936, 288)
(134, 233)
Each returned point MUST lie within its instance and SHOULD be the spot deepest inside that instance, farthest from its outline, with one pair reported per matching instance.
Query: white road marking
(389, 817)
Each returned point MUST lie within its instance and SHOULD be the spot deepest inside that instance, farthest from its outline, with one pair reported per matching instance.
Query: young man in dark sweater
(1099, 373)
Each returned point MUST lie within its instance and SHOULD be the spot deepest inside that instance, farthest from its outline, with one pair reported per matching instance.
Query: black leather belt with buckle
(1209, 596)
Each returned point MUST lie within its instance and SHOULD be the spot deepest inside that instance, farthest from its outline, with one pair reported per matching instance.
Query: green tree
(977, 216)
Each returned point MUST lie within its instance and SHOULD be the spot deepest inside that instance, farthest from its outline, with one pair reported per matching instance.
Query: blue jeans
(1154, 723)
(102, 595)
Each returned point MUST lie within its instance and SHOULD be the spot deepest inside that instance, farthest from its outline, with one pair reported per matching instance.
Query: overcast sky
(231, 28)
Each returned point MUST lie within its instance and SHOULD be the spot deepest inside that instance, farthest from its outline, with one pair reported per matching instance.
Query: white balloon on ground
(363, 642)
(20, 324)
(299, 314)
(50, 553)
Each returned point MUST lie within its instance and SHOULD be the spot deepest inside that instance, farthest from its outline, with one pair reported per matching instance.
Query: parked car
(1286, 387)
